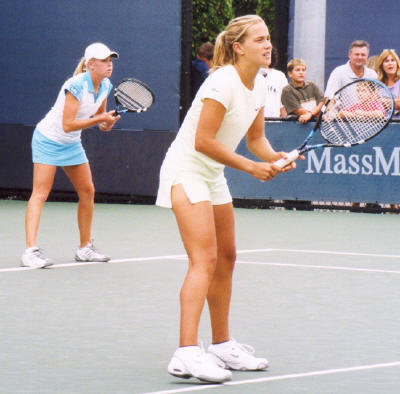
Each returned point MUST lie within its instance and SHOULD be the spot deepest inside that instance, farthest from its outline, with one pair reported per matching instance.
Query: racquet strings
(368, 106)
(134, 96)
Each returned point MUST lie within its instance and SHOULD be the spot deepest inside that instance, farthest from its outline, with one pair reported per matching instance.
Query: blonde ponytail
(234, 32)
(81, 67)
(223, 53)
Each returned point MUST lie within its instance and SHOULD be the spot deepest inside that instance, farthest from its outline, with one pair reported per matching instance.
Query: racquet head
(132, 95)
(357, 112)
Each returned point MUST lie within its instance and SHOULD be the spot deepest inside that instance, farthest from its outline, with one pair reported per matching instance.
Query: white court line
(184, 256)
(281, 377)
(326, 267)
(394, 256)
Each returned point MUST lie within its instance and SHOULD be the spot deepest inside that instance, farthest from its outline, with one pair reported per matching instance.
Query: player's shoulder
(76, 80)
(223, 72)
(223, 77)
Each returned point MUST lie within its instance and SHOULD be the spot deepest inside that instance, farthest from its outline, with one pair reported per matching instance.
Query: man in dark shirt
(201, 66)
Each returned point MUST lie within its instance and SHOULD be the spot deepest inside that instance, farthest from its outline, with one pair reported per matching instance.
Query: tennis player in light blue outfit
(56, 142)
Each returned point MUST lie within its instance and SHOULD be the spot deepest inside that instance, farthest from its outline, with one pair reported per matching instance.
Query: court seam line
(184, 256)
(281, 377)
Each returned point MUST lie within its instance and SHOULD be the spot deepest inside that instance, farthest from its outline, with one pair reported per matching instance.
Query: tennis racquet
(356, 113)
(132, 95)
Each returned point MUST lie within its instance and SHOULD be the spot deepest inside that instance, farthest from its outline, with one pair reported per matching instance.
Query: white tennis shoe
(90, 253)
(34, 258)
(237, 356)
(193, 361)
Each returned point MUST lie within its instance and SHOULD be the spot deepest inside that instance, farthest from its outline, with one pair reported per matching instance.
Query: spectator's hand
(304, 118)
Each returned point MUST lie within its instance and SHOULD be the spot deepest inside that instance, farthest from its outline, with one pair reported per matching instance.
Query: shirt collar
(351, 70)
(306, 83)
(89, 81)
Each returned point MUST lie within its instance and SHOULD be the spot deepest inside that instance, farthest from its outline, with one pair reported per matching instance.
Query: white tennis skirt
(197, 186)
(47, 151)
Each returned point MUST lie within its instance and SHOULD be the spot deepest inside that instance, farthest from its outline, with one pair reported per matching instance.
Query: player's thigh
(196, 223)
(81, 177)
(43, 177)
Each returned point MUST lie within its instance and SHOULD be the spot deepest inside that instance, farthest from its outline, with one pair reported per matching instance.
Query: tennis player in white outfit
(228, 106)
(56, 142)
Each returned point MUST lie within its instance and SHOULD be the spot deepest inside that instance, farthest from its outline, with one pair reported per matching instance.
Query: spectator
(275, 81)
(372, 62)
(201, 65)
(354, 69)
(388, 69)
(301, 98)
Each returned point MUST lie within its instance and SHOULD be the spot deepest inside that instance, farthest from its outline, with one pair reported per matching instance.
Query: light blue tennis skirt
(46, 151)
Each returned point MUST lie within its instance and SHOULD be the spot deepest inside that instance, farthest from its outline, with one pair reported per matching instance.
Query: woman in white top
(81, 103)
(228, 106)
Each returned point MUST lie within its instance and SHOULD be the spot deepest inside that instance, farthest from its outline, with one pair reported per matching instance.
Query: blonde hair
(379, 68)
(372, 62)
(235, 31)
(295, 62)
(81, 67)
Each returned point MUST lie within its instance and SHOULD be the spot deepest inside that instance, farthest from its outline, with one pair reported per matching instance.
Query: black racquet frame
(132, 103)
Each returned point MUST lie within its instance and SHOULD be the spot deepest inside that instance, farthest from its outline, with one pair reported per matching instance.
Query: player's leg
(196, 226)
(226, 350)
(197, 229)
(81, 178)
(43, 178)
(219, 293)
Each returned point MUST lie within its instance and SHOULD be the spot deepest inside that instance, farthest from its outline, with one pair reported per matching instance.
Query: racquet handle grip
(291, 156)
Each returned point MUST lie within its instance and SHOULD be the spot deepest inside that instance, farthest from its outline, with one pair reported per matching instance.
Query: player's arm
(211, 117)
(71, 123)
(258, 144)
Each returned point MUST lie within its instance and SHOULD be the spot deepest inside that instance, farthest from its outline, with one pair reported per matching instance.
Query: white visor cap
(98, 51)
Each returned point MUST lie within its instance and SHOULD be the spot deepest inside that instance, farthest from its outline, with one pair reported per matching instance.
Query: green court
(317, 293)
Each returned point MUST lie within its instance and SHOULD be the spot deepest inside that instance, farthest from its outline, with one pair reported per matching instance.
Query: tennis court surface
(317, 293)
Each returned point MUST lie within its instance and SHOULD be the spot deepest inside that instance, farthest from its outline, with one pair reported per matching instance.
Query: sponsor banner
(366, 173)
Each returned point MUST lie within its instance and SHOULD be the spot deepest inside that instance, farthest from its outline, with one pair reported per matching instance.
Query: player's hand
(264, 171)
(289, 166)
(108, 120)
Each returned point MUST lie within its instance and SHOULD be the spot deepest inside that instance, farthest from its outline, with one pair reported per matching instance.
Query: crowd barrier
(364, 173)
(126, 163)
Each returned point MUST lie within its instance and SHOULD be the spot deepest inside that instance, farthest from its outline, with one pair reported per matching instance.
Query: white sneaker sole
(103, 260)
(45, 265)
(177, 369)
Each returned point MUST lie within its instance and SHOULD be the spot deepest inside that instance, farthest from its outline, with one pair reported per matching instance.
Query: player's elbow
(67, 126)
(200, 144)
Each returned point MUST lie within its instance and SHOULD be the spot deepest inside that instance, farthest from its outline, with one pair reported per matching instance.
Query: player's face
(256, 47)
(389, 65)
(358, 56)
(103, 68)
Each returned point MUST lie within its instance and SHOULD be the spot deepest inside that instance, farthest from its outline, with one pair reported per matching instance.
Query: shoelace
(38, 253)
(245, 348)
(92, 247)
